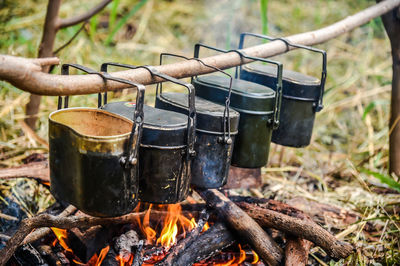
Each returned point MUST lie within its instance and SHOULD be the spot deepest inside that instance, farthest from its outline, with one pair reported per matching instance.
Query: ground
(350, 135)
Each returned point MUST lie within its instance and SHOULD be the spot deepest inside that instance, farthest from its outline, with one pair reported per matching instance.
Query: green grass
(350, 134)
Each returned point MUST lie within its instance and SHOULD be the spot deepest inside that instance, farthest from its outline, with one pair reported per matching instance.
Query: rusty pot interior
(92, 122)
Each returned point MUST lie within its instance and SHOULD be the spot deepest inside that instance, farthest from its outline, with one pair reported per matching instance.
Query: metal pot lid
(160, 127)
(246, 97)
(294, 83)
(209, 115)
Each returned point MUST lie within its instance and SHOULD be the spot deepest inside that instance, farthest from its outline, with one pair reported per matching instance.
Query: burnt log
(52, 257)
(206, 245)
(248, 229)
(28, 255)
(300, 227)
(46, 220)
(85, 243)
(172, 257)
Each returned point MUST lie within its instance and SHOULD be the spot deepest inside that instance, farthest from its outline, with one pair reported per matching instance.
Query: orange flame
(256, 258)
(102, 255)
(124, 262)
(147, 230)
(206, 227)
(61, 235)
(226, 263)
(173, 223)
(242, 256)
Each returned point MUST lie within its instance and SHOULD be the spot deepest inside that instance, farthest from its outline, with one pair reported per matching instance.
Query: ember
(162, 226)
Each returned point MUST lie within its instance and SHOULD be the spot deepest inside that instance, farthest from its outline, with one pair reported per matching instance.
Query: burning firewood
(172, 257)
(244, 225)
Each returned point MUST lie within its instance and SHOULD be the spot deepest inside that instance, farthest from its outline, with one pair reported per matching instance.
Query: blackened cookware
(93, 155)
(258, 106)
(301, 98)
(216, 128)
(167, 146)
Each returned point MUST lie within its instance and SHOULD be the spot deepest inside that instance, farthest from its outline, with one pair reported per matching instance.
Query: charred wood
(207, 245)
(28, 255)
(85, 243)
(300, 227)
(171, 258)
(53, 258)
(110, 260)
(244, 225)
(126, 243)
(138, 259)
(46, 220)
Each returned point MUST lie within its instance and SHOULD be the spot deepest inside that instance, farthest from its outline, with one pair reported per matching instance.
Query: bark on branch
(66, 22)
(47, 220)
(244, 226)
(46, 84)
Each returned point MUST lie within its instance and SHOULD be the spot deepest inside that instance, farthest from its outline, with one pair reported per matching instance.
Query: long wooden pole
(23, 76)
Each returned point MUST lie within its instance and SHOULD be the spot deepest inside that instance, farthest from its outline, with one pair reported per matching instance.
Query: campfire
(152, 234)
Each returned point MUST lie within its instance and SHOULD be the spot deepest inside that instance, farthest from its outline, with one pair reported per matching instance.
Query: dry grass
(348, 135)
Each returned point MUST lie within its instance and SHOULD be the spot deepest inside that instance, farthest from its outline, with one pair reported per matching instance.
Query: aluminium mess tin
(301, 96)
(163, 165)
(85, 168)
(213, 147)
(256, 104)
(300, 92)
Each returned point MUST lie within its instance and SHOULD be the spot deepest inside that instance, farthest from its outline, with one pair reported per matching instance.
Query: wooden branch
(63, 23)
(207, 245)
(45, 50)
(47, 220)
(70, 40)
(41, 232)
(46, 84)
(302, 228)
(245, 226)
(296, 251)
(35, 170)
(173, 254)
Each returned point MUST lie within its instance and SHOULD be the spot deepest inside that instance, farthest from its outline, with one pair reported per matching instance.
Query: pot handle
(65, 71)
(191, 127)
(318, 106)
(226, 139)
(130, 158)
(274, 122)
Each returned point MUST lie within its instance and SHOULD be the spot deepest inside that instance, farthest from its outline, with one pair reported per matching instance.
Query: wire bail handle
(138, 115)
(130, 158)
(191, 97)
(318, 105)
(274, 122)
(226, 139)
(65, 71)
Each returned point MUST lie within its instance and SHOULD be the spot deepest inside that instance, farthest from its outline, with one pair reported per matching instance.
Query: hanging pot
(301, 98)
(166, 149)
(258, 107)
(216, 128)
(93, 156)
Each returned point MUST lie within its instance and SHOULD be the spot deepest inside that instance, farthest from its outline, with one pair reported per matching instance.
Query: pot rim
(91, 109)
